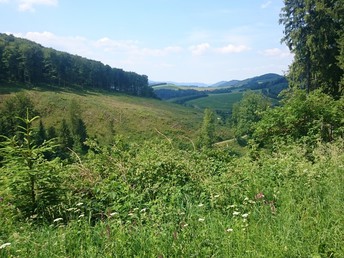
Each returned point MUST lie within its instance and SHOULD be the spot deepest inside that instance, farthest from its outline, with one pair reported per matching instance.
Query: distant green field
(223, 102)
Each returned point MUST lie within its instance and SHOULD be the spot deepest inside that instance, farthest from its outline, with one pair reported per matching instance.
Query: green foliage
(26, 62)
(248, 112)
(13, 107)
(153, 200)
(312, 30)
(306, 118)
(78, 128)
(207, 132)
(31, 183)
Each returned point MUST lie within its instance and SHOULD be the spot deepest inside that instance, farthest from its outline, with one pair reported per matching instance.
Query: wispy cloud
(29, 5)
(230, 48)
(266, 4)
(3, 1)
(199, 49)
(88, 48)
(277, 52)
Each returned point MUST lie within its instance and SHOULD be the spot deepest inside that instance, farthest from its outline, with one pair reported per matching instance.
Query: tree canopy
(313, 31)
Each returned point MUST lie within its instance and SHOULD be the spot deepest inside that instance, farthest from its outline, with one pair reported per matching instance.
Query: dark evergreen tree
(65, 139)
(41, 134)
(312, 30)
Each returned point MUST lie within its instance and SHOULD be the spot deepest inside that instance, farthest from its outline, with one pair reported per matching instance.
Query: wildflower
(244, 215)
(135, 209)
(113, 214)
(81, 216)
(130, 214)
(4, 245)
(246, 199)
(229, 230)
(200, 205)
(185, 225)
(79, 204)
(58, 219)
(216, 196)
(236, 213)
(143, 210)
(200, 219)
(259, 196)
(232, 206)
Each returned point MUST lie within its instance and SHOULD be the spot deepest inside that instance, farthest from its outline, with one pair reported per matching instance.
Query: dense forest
(273, 189)
(24, 61)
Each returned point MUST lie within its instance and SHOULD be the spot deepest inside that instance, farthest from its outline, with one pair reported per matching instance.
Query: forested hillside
(23, 61)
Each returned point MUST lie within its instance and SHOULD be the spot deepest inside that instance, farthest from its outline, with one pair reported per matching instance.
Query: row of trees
(27, 62)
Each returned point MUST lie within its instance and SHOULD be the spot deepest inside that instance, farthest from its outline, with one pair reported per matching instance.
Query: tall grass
(153, 200)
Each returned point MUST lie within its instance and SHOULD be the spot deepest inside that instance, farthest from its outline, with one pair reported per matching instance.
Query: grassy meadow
(223, 101)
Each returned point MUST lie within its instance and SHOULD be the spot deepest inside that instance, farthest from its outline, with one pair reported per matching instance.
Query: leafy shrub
(303, 117)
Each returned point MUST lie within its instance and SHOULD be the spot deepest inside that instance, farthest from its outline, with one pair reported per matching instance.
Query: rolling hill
(133, 117)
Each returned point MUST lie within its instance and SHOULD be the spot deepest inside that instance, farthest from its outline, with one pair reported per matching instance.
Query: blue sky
(168, 40)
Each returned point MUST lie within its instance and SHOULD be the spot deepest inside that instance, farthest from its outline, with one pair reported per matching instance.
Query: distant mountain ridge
(270, 84)
(224, 84)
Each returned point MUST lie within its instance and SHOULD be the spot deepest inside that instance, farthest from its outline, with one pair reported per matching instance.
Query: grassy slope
(222, 101)
(132, 116)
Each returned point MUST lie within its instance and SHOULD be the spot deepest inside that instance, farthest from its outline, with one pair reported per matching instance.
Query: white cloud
(29, 5)
(266, 4)
(230, 48)
(199, 49)
(132, 47)
(3, 1)
(276, 52)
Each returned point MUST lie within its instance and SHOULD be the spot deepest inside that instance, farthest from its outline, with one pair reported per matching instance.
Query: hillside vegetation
(133, 117)
(275, 189)
(24, 61)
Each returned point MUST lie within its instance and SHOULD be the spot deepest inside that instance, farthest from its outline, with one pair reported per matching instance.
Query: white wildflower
(200, 219)
(4, 245)
(236, 213)
(216, 196)
(229, 230)
(58, 219)
(79, 204)
(113, 214)
(143, 210)
(200, 205)
(81, 216)
(244, 215)
(232, 206)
